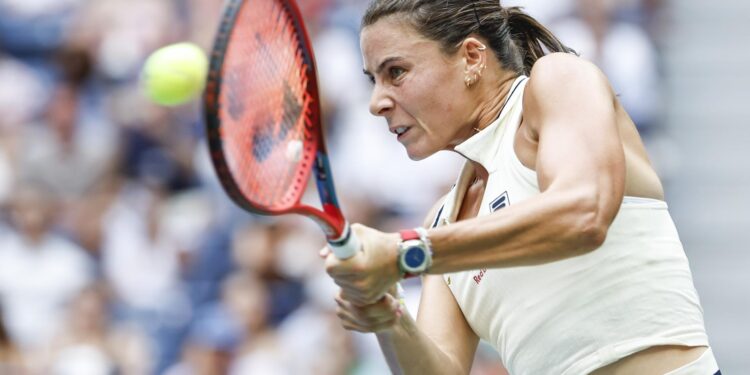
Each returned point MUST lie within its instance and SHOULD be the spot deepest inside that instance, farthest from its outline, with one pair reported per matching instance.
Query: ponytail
(532, 37)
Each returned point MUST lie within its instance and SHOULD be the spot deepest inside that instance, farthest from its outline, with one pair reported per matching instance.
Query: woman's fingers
(357, 290)
(359, 296)
(369, 274)
(375, 317)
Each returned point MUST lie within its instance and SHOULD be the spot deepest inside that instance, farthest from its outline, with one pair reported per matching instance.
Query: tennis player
(555, 245)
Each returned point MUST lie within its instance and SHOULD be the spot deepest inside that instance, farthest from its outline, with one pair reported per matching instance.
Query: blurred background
(119, 253)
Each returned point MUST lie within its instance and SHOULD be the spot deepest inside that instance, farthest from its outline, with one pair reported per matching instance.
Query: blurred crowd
(119, 252)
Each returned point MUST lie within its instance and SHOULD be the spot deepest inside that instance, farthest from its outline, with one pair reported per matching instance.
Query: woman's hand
(377, 317)
(365, 277)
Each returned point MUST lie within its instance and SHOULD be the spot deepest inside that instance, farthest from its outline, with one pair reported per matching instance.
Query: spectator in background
(40, 271)
(139, 261)
(142, 262)
(260, 351)
(71, 145)
(156, 148)
(235, 334)
(92, 344)
(11, 359)
(32, 27)
(544, 11)
(210, 345)
(81, 347)
(255, 249)
(202, 20)
(648, 14)
(623, 51)
(22, 97)
(61, 152)
(315, 326)
(115, 33)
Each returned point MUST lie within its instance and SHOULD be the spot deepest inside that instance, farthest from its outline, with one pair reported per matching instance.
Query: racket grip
(347, 245)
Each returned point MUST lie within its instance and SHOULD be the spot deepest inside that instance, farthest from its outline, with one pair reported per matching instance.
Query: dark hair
(517, 39)
(4, 337)
(74, 64)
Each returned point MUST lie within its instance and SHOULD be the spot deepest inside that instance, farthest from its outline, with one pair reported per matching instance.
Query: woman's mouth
(401, 130)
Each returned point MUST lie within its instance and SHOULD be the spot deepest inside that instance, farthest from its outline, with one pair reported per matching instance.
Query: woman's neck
(493, 98)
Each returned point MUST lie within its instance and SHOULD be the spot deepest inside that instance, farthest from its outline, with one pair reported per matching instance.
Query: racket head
(262, 114)
(261, 106)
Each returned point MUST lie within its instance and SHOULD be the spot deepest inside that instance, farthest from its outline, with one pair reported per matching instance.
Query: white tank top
(579, 314)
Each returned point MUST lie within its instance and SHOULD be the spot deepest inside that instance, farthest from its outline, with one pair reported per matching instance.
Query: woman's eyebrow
(382, 65)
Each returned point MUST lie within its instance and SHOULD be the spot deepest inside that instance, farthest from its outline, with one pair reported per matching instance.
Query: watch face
(414, 257)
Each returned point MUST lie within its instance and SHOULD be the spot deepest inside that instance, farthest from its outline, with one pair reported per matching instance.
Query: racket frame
(329, 218)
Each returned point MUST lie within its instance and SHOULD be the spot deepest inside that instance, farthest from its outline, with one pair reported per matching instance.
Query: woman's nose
(380, 103)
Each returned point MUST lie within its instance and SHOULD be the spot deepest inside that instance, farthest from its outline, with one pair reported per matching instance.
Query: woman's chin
(418, 155)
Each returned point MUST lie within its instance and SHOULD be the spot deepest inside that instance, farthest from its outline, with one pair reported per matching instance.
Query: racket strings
(266, 108)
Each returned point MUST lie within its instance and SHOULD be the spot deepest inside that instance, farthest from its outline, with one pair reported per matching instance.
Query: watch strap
(413, 234)
(409, 234)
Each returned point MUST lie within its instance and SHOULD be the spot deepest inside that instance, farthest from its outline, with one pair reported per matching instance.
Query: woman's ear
(475, 59)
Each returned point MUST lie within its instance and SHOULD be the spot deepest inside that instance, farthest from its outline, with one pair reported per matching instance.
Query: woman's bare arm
(569, 109)
(440, 342)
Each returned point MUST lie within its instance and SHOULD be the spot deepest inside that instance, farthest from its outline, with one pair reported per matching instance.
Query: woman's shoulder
(564, 75)
(559, 67)
(561, 84)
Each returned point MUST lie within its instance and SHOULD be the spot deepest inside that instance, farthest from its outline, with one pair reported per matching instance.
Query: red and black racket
(263, 117)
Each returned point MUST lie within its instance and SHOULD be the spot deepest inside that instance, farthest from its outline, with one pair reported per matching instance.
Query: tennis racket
(263, 117)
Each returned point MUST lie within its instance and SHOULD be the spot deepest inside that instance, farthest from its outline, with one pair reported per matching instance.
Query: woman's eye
(396, 72)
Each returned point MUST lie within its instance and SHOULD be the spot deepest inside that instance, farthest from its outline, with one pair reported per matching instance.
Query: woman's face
(417, 88)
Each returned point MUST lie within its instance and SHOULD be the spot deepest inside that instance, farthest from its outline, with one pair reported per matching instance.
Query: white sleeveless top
(579, 314)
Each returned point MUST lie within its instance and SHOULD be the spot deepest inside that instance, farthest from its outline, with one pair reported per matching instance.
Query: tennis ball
(175, 74)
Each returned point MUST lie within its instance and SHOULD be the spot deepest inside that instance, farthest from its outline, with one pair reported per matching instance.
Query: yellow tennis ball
(175, 74)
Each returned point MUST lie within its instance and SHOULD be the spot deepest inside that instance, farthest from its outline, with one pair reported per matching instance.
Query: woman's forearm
(546, 228)
(409, 351)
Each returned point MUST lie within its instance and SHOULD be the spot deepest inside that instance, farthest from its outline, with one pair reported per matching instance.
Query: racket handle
(347, 245)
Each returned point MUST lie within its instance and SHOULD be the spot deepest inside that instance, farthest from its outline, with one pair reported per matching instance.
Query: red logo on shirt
(478, 277)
